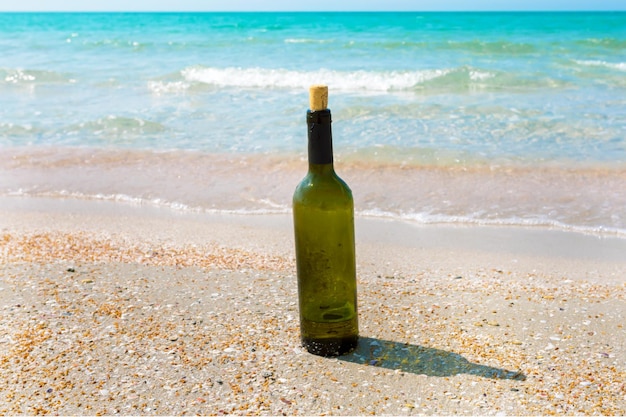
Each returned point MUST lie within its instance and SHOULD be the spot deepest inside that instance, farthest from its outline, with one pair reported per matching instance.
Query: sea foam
(367, 81)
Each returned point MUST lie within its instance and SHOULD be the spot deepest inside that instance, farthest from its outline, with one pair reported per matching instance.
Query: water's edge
(589, 200)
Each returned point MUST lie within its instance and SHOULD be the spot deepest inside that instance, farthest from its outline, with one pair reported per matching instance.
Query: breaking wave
(460, 79)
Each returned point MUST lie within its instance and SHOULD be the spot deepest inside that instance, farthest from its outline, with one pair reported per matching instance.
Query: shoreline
(36, 213)
(111, 308)
(568, 197)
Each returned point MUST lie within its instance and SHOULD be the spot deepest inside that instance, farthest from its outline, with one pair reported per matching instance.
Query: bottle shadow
(421, 360)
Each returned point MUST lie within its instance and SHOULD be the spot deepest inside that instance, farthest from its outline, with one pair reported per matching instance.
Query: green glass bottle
(323, 217)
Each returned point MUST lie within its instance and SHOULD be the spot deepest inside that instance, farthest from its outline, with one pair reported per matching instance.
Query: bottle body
(323, 215)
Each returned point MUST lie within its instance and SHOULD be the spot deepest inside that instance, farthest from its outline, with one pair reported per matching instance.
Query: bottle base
(332, 346)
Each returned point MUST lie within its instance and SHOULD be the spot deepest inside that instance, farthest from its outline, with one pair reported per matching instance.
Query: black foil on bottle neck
(320, 137)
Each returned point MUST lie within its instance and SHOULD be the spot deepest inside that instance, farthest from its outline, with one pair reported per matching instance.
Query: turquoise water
(451, 90)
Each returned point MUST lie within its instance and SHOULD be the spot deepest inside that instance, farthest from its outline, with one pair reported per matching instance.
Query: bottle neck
(320, 140)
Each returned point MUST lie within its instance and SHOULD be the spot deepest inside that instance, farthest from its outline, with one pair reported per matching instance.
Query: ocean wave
(158, 203)
(467, 79)
(609, 43)
(620, 66)
(267, 207)
(12, 130)
(434, 219)
(168, 87)
(491, 47)
(132, 45)
(309, 40)
(361, 80)
(18, 76)
(116, 128)
(460, 79)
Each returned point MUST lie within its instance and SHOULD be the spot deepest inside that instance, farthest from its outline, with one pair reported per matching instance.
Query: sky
(299, 5)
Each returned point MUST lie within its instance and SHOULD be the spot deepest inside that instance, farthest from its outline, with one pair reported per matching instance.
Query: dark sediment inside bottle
(330, 346)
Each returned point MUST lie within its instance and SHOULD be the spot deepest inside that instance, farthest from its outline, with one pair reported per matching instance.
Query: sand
(108, 308)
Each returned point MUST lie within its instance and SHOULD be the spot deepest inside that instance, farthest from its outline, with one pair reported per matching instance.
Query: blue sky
(253, 5)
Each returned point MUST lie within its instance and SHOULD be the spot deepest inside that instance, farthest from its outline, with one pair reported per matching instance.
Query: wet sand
(109, 308)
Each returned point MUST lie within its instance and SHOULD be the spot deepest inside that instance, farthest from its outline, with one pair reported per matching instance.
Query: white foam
(266, 206)
(480, 75)
(308, 40)
(621, 66)
(165, 87)
(158, 203)
(374, 81)
(18, 76)
(434, 219)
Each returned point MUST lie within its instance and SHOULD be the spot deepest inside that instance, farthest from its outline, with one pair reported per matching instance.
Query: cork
(318, 97)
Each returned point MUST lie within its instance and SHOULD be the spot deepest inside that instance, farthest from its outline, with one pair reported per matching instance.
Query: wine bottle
(323, 217)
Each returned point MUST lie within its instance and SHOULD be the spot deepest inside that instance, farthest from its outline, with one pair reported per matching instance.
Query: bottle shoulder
(327, 182)
(323, 188)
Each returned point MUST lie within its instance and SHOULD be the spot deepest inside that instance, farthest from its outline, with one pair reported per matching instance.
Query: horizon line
(323, 11)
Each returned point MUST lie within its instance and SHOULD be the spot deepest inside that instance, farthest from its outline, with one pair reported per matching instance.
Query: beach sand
(109, 308)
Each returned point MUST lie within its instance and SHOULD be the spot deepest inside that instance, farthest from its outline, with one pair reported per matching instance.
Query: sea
(499, 119)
